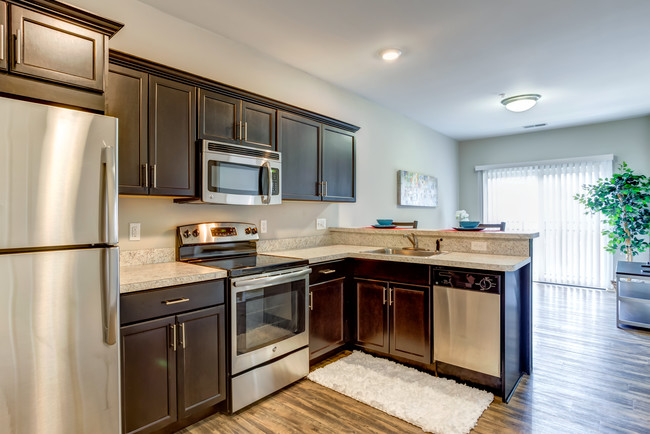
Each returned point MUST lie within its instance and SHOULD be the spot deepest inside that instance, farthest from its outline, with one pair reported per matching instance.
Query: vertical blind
(539, 198)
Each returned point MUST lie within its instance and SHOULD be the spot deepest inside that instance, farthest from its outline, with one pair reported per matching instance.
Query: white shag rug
(434, 404)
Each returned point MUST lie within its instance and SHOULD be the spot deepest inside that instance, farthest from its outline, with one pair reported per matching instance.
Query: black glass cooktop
(253, 264)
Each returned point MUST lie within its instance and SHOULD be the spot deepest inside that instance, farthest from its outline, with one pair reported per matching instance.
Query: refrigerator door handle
(110, 289)
(110, 198)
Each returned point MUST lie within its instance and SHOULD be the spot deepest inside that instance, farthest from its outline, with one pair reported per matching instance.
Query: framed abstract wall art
(416, 189)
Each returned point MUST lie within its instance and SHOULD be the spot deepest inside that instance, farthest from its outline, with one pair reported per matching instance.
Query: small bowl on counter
(385, 222)
(469, 224)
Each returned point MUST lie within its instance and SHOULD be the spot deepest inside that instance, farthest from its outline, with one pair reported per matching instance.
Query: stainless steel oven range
(268, 317)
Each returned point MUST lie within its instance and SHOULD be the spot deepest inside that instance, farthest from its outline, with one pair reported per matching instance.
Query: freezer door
(58, 373)
(58, 184)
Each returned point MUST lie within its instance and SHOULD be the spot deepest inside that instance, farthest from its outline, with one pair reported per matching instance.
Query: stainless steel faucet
(413, 239)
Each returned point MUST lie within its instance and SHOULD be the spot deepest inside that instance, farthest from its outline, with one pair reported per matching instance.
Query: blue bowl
(469, 225)
(385, 222)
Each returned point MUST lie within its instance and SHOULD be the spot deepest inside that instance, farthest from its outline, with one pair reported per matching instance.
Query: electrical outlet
(479, 245)
(321, 224)
(134, 231)
(263, 226)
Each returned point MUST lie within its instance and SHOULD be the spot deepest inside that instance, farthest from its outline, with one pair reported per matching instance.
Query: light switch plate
(321, 224)
(134, 231)
(263, 226)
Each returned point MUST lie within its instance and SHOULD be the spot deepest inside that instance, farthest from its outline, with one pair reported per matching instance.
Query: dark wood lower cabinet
(394, 319)
(173, 368)
(326, 317)
(372, 315)
(148, 376)
(202, 374)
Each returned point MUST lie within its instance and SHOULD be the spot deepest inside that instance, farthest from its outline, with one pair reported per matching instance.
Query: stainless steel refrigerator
(59, 275)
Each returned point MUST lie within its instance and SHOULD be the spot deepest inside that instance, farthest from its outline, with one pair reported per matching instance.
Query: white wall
(386, 142)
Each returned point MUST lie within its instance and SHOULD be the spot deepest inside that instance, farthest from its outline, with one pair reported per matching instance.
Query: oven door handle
(260, 282)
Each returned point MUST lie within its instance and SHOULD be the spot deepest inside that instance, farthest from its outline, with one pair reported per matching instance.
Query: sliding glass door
(538, 197)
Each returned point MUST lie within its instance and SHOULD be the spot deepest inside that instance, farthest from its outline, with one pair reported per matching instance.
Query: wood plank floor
(588, 377)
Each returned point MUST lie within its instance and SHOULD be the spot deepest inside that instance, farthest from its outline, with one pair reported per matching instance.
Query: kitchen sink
(405, 252)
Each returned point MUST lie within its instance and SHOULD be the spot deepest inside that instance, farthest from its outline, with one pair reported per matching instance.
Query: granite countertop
(487, 233)
(450, 259)
(149, 276)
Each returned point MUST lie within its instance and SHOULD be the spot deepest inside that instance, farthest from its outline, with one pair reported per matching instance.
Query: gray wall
(386, 142)
(628, 140)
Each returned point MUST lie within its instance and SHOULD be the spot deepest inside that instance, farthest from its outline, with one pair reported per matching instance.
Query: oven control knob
(486, 283)
(254, 230)
(186, 234)
(195, 232)
(248, 231)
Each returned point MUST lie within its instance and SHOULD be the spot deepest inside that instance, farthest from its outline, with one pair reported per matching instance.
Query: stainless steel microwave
(239, 175)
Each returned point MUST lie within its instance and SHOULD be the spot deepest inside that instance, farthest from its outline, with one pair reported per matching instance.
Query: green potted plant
(624, 201)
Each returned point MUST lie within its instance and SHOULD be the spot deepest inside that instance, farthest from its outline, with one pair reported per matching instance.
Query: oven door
(240, 180)
(268, 316)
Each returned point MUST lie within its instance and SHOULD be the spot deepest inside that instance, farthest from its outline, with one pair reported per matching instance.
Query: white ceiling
(589, 59)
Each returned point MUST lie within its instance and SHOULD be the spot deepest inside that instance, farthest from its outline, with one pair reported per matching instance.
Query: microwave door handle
(269, 185)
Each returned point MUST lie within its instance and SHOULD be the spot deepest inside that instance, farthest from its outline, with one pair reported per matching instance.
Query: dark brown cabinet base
(174, 367)
(326, 321)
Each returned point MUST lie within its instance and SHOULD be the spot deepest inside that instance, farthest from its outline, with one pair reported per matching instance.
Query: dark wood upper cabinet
(338, 165)
(52, 49)
(172, 137)
(127, 98)
(232, 120)
(372, 315)
(4, 49)
(202, 371)
(148, 375)
(300, 143)
(318, 161)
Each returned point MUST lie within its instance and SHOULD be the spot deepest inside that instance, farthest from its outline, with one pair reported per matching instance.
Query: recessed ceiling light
(390, 54)
(521, 103)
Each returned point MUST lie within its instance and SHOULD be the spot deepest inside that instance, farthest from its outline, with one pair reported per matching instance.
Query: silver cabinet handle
(110, 297)
(110, 199)
(239, 136)
(328, 271)
(18, 46)
(245, 131)
(153, 176)
(311, 300)
(390, 296)
(145, 170)
(175, 301)
(183, 335)
(325, 188)
(173, 327)
(383, 298)
(2, 42)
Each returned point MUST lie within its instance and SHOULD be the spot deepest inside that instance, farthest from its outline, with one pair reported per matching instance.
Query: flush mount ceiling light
(520, 103)
(390, 54)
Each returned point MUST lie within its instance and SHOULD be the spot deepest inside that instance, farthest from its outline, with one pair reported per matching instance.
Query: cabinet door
(259, 125)
(148, 375)
(372, 318)
(410, 320)
(4, 41)
(326, 317)
(172, 137)
(219, 117)
(126, 99)
(299, 140)
(338, 165)
(201, 359)
(56, 50)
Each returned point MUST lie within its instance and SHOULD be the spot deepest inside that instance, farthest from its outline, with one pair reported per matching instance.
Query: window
(538, 197)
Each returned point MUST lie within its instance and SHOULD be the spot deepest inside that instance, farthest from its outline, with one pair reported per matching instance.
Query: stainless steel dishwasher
(466, 320)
